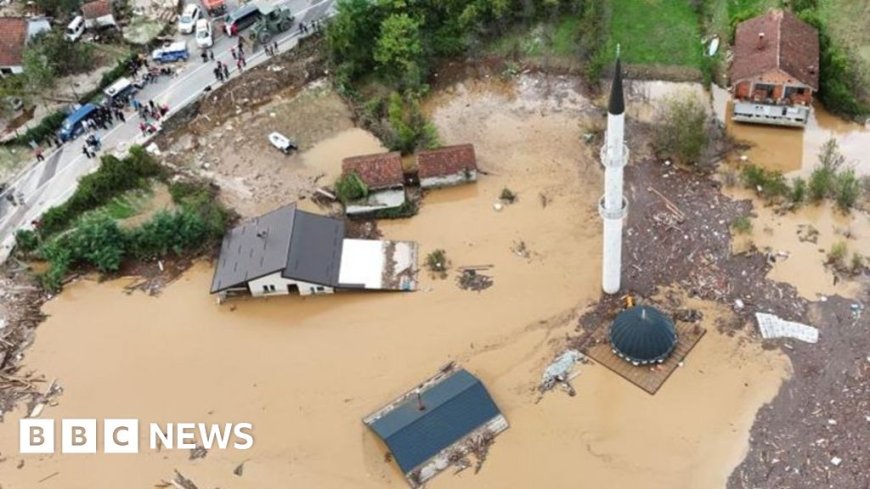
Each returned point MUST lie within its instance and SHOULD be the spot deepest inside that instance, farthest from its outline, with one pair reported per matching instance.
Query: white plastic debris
(561, 367)
(153, 149)
(738, 304)
(836, 461)
(773, 327)
(832, 422)
(498, 206)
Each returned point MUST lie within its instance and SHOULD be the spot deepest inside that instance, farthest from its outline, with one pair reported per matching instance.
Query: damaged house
(383, 176)
(447, 166)
(438, 424)
(289, 250)
(775, 69)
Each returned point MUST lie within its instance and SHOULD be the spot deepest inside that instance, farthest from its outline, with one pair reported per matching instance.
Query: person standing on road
(39, 156)
(151, 105)
(275, 47)
(226, 70)
(218, 74)
(211, 54)
(86, 151)
(233, 52)
(239, 64)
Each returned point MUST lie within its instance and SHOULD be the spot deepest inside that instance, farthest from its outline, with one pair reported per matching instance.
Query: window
(268, 288)
(319, 288)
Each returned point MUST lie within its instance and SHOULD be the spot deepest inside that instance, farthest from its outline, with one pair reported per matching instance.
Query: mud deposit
(305, 371)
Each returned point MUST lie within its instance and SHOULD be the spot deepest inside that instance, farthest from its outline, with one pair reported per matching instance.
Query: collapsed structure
(290, 250)
(438, 423)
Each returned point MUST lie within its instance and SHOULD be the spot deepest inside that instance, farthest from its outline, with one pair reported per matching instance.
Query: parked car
(73, 125)
(75, 29)
(188, 18)
(203, 34)
(171, 52)
(242, 18)
(122, 86)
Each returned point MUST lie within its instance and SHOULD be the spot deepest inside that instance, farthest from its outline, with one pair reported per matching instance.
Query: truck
(170, 52)
(273, 20)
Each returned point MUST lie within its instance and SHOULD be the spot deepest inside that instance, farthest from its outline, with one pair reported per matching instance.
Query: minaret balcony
(606, 213)
(605, 162)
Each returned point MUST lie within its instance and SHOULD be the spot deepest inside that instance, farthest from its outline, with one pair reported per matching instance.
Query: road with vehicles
(51, 182)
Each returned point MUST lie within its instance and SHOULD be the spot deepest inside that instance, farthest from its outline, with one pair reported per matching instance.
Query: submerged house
(447, 166)
(289, 250)
(775, 69)
(434, 425)
(382, 174)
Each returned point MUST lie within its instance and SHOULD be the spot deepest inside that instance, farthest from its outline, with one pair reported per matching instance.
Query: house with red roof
(775, 70)
(384, 178)
(98, 14)
(15, 32)
(447, 166)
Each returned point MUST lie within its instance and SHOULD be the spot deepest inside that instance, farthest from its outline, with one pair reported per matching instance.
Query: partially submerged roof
(377, 171)
(96, 9)
(448, 160)
(301, 245)
(454, 408)
(13, 36)
(788, 44)
(643, 335)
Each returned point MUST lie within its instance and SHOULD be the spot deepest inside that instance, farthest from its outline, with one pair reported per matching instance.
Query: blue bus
(73, 125)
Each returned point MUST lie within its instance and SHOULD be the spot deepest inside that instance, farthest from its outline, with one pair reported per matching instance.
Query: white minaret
(613, 207)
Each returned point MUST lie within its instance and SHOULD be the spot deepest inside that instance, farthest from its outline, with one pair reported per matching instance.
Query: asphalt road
(49, 183)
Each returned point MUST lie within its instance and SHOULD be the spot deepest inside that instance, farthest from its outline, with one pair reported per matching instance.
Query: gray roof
(301, 245)
(455, 407)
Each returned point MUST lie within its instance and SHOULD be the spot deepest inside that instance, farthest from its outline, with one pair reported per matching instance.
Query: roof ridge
(779, 39)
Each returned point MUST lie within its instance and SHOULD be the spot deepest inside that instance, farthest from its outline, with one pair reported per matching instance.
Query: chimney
(420, 405)
(760, 41)
(812, 69)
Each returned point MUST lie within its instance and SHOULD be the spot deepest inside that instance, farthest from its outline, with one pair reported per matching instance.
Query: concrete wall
(275, 284)
(449, 180)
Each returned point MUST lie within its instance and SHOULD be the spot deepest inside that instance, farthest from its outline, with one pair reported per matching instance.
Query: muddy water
(305, 371)
(802, 263)
(795, 151)
(326, 156)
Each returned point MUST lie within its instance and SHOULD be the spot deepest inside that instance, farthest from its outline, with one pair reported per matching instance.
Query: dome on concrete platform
(643, 335)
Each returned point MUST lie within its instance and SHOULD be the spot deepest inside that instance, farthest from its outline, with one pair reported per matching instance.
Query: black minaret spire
(617, 104)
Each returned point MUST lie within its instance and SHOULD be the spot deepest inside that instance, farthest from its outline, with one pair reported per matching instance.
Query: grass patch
(846, 21)
(664, 32)
(123, 206)
(742, 225)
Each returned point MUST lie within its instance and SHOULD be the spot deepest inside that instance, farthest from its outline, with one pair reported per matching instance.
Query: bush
(837, 253)
(798, 190)
(857, 263)
(821, 180)
(26, 241)
(438, 263)
(169, 232)
(770, 184)
(350, 187)
(98, 242)
(408, 128)
(742, 225)
(846, 189)
(507, 196)
(681, 132)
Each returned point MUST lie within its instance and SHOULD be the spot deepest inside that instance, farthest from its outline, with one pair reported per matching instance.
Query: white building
(289, 250)
(447, 166)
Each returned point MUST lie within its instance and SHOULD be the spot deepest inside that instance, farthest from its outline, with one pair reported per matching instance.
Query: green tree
(399, 50)
(681, 132)
(39, 73)
(58, 8)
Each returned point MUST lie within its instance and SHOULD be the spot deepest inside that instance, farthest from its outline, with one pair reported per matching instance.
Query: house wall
(275, 284)
(458, 178)
(782, 83)
(11, 70)
(441, 461)
(104, 21)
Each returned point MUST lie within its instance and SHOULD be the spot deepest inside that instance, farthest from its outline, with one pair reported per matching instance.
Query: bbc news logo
(122, 436)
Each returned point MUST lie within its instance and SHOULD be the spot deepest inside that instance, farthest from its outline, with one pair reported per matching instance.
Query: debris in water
(559, 372)
(471, 279)
(688, 315)
(519, 249)
(239, 470)
(773, 327)
(198, 452)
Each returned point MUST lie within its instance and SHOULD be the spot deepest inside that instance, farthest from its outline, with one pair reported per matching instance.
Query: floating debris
(198, 452)
(472, 279)
(559, 372)
(773, 327)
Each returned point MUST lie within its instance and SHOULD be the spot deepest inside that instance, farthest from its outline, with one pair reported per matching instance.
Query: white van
(75, 29)
(203, 34)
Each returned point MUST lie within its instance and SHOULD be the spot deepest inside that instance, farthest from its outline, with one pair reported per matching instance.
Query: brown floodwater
(795, 151)
(802, 263)
(305, 371)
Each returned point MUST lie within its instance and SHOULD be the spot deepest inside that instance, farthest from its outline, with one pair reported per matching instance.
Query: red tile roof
(13, 35)
(377, 171)
(96, 9)
(789, 44)
(448, 160)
